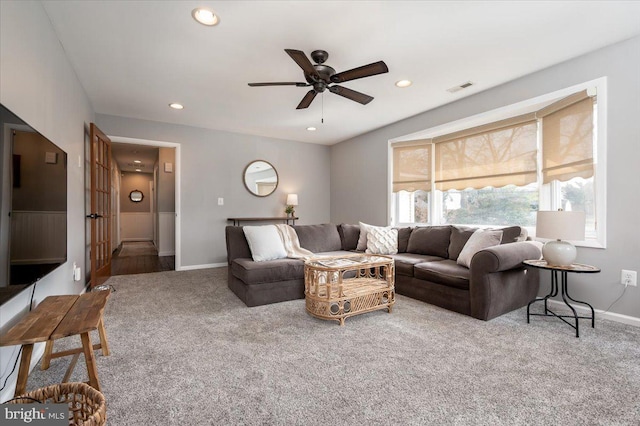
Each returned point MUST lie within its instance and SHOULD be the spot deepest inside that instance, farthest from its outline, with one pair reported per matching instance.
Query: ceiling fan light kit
(320, 76)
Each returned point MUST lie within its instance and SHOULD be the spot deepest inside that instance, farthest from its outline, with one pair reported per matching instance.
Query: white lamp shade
(560, 225)
(292, 199)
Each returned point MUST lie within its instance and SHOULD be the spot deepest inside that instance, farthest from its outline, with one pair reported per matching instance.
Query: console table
(564, 270)
(56, 317)
(285, 219)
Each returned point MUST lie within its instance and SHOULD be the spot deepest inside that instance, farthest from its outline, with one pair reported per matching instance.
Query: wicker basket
(87, 406)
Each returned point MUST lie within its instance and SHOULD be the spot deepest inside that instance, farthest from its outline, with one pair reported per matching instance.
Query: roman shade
(496, 154)
(567, 138)
(412, 167)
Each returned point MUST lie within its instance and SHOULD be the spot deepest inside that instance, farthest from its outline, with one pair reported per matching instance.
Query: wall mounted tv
(33, 220)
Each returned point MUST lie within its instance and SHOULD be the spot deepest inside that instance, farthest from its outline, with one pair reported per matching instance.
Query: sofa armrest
(499, 282)
(504, 257)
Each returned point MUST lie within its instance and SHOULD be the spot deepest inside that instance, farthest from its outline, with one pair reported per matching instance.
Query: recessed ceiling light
(137, 161)
(138, 170)
(176, 106)
(404, 83)
(205, 16)
(311, 129)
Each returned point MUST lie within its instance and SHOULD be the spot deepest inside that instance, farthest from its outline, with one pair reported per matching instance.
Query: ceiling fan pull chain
(322, 117)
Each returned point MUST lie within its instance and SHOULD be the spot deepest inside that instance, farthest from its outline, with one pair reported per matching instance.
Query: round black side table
(564, 270)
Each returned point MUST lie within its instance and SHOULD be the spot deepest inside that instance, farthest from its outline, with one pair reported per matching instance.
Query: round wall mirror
(260, 178)
(136, 196)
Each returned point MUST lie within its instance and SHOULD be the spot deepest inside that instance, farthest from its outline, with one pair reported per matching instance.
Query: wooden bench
(56, 317)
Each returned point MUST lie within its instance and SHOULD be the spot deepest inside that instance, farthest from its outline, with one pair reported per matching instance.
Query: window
(503, 172)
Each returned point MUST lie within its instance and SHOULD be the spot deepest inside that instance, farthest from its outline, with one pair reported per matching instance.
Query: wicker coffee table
(336, 288)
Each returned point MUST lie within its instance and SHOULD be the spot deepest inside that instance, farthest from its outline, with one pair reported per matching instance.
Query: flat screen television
(33, 219)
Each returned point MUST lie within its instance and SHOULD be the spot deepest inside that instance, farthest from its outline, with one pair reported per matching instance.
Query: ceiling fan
(320, 76)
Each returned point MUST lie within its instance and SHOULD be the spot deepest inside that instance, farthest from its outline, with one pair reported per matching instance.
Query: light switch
(221, 201)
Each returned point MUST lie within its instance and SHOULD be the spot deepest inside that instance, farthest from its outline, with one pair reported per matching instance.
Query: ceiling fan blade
(351, 94)
(279, 84)
(360, 72)
(303, 62)
(306, 101)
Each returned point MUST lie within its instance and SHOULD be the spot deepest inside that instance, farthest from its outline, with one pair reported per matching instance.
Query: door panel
(100, 206)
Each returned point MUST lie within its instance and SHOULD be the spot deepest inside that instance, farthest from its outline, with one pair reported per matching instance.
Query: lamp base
(559, 253)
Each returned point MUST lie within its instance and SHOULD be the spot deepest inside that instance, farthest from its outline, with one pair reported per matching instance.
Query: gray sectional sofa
(425, 268)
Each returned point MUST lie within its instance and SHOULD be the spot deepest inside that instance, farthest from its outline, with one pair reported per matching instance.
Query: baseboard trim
(204, 266)
(167, 253)
(625, 319)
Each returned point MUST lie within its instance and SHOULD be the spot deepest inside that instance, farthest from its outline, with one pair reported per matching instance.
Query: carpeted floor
(186, 351)
(137, 248)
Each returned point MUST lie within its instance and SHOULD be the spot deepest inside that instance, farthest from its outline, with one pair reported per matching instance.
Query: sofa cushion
(512, 234)
(237, 245)
(459, 237)
(432, 240)
(349, 235)
(404, 262)
(382, 241)
(479, 240)
(269, 271)
(446, 272)
(317, 238)
(403, 238)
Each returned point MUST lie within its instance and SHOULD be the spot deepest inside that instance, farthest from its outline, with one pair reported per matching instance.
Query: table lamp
(558, 226)
(292, 201)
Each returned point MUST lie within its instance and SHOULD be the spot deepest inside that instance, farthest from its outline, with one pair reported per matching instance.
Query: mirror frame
(244, 180)
(131, 196)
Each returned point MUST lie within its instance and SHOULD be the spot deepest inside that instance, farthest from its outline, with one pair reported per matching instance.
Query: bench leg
(46, 359)
(23, 372)
(90, 360)
(104, 343)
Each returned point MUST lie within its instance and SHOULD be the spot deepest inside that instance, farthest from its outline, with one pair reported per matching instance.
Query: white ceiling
(126, 155)
(135, 57)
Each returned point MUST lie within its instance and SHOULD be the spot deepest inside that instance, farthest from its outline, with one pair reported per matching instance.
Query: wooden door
(100, 206)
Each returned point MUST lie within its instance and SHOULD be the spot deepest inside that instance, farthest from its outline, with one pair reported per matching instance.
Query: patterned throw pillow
(382, 241)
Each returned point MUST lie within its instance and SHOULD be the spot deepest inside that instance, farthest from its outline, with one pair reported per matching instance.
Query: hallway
(139, 257)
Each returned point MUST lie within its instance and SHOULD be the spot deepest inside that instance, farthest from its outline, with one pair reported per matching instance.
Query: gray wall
(359, 166)
(131, 181)
(212, 163)
(166, 181)
(38, 85)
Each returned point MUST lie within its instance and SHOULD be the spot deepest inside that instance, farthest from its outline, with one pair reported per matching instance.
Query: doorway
(145, 206)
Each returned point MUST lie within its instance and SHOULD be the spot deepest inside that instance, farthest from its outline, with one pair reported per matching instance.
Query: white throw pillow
(382, 241)
(364, 229)
(264, 242)
(479, 240)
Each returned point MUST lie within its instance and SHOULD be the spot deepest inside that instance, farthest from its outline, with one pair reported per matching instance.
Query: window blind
(412, 168)
(567, 138)
(497, 154)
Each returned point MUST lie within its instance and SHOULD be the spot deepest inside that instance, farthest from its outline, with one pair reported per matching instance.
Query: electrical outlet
(221, 201)
(630, 277)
